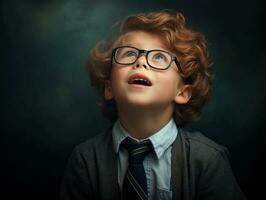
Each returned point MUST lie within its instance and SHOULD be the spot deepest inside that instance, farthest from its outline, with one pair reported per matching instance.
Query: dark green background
(48, 106)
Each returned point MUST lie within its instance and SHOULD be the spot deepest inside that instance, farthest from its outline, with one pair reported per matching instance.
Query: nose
(142, 62)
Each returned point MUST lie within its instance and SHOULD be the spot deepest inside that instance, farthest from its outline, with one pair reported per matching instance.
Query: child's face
(166, 86)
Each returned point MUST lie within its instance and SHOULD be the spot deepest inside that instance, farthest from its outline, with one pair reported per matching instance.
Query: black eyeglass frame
(146, 53)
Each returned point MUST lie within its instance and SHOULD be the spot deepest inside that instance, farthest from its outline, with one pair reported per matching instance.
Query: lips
(139, 79)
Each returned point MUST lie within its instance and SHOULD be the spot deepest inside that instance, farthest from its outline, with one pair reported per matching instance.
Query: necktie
(135, 183)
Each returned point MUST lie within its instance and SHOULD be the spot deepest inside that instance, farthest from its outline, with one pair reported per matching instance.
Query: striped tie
(135, 183)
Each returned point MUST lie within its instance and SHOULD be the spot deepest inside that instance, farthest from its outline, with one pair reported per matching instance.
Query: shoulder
(201, 155)
(96, 144)
(207, 167)
(200, 147)
(199, 139)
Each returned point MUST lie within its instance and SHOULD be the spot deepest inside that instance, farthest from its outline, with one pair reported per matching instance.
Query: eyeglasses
(157, 59)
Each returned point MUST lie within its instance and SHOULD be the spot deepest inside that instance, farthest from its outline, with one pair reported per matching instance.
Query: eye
(130, 54)
(159, 56)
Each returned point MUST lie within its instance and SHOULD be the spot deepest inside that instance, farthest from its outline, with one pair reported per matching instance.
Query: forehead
(142, 40)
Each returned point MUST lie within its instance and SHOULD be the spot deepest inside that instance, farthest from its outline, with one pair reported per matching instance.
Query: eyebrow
(156, 48)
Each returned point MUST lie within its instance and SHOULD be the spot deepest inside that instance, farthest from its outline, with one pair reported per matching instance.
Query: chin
(135, 102)
(141, 103)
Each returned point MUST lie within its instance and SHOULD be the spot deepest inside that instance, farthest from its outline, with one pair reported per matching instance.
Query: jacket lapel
(109, 188)
(177, 165)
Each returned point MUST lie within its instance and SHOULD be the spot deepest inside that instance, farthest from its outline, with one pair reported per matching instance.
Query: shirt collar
(160, 140)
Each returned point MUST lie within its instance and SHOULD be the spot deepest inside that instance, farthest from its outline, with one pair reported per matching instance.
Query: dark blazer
(200, 170)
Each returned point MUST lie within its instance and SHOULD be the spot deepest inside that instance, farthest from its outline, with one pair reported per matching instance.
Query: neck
(142, 123)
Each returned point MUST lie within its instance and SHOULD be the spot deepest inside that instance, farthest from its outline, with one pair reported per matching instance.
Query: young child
(154, 77)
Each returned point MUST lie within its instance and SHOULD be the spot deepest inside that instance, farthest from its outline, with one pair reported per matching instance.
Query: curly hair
(189, 47)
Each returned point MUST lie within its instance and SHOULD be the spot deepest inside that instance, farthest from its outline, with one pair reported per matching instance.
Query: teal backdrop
(48, 105)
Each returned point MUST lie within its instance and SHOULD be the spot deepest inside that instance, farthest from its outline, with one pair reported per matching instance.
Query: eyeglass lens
(155, 58)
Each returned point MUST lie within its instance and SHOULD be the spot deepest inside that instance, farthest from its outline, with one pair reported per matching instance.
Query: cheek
(118, 73)
(117, 78)
(170, 82)
(115, 75)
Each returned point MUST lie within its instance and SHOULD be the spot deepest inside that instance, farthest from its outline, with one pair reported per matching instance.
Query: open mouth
(139, 79)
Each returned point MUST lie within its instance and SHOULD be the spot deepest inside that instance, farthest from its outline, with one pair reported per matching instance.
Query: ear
(183, 95)
(108, 94)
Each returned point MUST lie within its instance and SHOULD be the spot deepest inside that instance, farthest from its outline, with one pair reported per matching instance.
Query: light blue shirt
(157, 165)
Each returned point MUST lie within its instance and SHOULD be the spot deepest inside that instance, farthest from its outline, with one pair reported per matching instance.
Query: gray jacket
(200, 170)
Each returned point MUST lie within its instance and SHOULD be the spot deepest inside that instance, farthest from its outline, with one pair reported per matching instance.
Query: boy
(154, 77)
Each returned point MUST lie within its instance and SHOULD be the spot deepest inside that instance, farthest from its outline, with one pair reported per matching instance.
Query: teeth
(141, 81)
